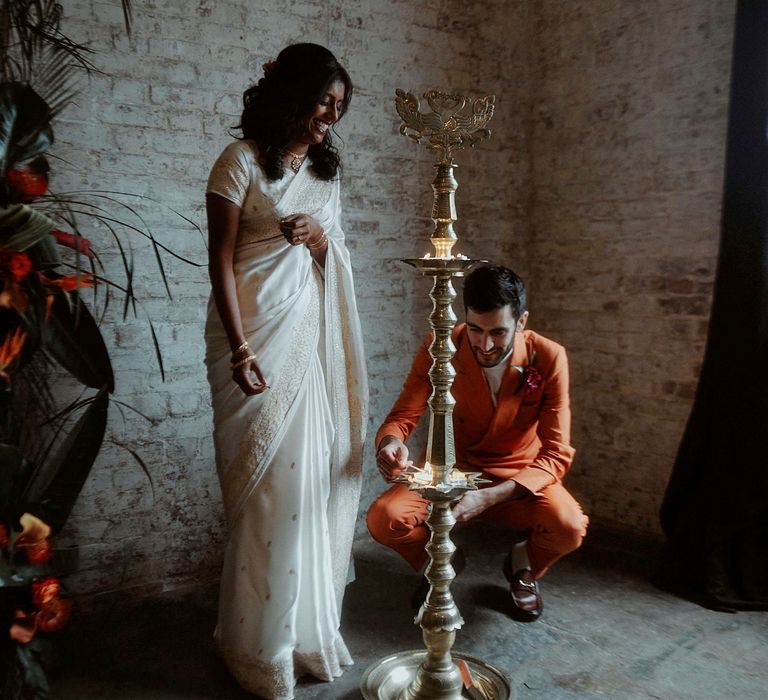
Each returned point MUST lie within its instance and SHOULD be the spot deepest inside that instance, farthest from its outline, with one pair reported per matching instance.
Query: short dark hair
(274, 109)
(492, 287)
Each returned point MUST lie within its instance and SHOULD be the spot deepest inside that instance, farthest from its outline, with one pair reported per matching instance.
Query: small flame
(458, 256)
(424, 475)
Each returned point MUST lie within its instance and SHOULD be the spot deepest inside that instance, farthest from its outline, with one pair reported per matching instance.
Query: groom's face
(492, 333)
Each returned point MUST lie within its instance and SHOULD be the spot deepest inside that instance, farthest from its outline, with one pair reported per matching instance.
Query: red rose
(531, 379)
(27, 181)
(3, 535)
(54, 615)
(45, 590)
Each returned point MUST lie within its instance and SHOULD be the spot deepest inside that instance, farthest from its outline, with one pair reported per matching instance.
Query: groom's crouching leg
(397, 519)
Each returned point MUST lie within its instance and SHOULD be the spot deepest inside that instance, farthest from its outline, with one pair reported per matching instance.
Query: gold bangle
(240, 348)
(240, 356)
(317, 244)
(243, 362)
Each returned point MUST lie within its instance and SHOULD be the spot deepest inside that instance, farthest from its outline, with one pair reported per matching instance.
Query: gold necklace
(296, 160)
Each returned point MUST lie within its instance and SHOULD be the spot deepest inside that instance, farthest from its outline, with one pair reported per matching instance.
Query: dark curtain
(715, 510)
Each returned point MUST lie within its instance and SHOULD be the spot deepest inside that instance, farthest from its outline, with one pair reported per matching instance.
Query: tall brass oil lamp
(455, 122)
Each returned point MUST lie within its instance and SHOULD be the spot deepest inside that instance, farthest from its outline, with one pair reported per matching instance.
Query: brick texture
(628, 113)
(600, 185)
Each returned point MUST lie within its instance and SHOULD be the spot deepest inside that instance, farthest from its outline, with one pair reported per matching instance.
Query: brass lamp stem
(444, 209)
(441, 453)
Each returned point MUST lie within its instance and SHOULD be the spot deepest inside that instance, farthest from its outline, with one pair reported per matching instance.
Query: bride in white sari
(287, 374)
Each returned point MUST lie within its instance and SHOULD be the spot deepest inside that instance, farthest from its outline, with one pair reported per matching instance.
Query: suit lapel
(472, 374)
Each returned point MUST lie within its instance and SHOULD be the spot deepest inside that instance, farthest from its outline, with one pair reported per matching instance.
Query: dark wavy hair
(275, 109)
(492, 287)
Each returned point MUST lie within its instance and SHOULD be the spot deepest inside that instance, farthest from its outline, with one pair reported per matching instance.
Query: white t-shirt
(494, 375)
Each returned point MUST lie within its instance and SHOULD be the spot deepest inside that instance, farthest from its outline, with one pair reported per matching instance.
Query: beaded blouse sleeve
(229, 176)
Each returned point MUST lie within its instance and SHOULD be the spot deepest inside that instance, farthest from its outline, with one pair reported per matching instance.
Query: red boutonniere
(531, 377)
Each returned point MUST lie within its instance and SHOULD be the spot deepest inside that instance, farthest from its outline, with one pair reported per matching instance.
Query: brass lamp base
(391, 678)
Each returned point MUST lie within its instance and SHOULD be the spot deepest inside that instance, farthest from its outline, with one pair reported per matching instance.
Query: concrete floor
(605, 633)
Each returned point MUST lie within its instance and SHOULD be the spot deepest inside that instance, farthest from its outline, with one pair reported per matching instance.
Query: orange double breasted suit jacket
(525, 437)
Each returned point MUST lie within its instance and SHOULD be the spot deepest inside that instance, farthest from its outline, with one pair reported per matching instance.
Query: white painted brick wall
(628, 111)
(153, 126)
(599, 185)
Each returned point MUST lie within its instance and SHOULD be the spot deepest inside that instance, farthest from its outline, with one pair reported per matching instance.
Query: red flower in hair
(268, 66)
(3, 536)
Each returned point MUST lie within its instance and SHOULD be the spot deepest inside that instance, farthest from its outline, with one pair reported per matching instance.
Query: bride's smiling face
(326, 113)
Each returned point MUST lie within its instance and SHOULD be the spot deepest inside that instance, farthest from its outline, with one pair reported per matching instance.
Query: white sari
(288, 459)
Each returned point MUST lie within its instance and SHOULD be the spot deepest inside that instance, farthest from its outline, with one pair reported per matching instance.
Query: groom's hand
(391, 458)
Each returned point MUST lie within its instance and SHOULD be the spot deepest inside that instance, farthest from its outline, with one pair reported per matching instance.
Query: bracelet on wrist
(240, 352)
(320, 242)
(242, 362)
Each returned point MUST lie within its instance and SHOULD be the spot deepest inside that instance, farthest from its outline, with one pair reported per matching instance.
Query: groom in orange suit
(512, 421)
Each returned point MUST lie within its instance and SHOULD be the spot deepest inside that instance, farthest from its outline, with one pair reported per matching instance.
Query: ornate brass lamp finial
(450, 125)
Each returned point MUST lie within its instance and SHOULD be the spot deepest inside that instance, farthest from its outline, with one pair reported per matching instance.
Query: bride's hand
(300, 228)
(249, 378)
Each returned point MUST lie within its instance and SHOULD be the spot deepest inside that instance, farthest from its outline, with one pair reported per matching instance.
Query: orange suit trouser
(553, 519)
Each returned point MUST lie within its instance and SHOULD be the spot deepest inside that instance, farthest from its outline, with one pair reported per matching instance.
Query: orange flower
(67, 284)
(10, 350)
(34, 539)
(54, 615)
(45, 590)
